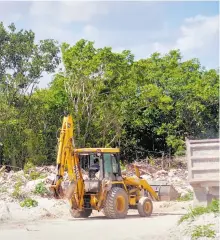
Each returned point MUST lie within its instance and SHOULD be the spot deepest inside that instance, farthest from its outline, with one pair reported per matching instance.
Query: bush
(212, 208)
(203, 231)
(28, 166)
(28, 202)
(41, 189)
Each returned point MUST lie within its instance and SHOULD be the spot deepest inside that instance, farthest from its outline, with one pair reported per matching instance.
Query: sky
(143, 27)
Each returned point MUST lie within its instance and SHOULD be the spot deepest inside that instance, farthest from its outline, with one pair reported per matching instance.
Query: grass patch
(28, 202)
(187, 197)
(203, 231)
(197, 211)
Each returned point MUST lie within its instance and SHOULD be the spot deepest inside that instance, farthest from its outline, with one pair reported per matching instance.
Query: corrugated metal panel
(203, 160)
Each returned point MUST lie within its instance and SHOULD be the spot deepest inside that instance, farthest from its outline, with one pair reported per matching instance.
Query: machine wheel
(77, 214)
(116, 204)
(145, 207)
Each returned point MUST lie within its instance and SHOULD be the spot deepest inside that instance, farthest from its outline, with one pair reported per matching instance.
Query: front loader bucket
(165, 191)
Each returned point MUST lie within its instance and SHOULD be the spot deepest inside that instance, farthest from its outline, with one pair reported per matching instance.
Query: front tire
(116, 203)
(145, 207)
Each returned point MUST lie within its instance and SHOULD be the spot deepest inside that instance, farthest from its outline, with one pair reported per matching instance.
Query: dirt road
(51, 220)
(99, 228)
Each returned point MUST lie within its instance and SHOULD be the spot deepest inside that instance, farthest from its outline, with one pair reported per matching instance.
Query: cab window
(114, 164)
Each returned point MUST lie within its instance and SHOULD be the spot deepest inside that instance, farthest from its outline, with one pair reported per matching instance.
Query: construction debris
(176, 178)
(12, 181)
(15, 186)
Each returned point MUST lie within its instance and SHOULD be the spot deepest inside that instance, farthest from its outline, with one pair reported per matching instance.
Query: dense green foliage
(150, 104)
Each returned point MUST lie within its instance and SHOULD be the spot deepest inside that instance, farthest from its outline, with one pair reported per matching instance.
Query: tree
(150, 104)
(92, 77)
(171, 99)
(22, 63)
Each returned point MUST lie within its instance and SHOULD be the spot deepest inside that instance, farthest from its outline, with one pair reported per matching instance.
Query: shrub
(214, 206)
(194, 212)
(41, 189)
(203, 231)
(28, 202)
(28, 166)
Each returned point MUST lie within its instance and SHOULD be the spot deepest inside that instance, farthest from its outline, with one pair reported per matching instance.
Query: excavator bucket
(165, 191)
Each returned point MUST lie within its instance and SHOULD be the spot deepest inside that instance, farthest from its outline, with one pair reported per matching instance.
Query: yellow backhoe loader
(104, 188)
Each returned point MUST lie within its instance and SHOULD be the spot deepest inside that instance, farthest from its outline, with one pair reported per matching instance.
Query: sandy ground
(131, 228)
(51, 220)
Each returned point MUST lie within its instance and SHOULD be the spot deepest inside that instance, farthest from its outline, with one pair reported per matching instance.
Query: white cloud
(197, 33)
(198, 37)
(56, 19)
(68, 12)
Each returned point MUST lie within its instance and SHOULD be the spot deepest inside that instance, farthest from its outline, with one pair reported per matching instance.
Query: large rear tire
(145, 207)
(80, 214)
(116, 204)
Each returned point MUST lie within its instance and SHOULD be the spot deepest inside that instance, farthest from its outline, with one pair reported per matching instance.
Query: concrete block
(204, 169)
(200, 196)
(214, 191)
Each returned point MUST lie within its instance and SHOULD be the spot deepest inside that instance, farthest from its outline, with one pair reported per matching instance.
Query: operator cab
(99, 164)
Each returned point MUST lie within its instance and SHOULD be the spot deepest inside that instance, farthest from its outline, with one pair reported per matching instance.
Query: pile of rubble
(21, 181)
(178, 178)
(17, 185)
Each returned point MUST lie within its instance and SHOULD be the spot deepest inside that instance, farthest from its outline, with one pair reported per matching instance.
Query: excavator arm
(67, 159)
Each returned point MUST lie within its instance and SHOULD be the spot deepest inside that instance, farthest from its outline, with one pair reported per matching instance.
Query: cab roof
(96, 150)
